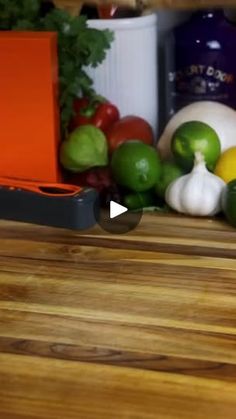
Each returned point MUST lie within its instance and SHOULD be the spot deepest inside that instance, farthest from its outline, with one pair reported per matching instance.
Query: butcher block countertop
(135, 326)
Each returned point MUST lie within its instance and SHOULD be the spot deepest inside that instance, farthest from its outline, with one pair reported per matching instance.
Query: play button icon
(114, 218)
(116, 209)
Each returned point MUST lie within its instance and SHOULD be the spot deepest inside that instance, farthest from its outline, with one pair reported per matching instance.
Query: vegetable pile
(201, 139)
(112, 154)
(192, 178)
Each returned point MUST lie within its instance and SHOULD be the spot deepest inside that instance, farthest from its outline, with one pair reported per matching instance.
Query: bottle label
(205, 77)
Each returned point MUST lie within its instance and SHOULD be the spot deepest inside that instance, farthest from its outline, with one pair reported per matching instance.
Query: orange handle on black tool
(49, 189)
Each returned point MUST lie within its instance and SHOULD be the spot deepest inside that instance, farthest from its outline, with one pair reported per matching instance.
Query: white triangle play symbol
(116, 209)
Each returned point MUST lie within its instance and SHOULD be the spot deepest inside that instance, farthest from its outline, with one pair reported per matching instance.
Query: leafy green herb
(14, 11)
(78, 47)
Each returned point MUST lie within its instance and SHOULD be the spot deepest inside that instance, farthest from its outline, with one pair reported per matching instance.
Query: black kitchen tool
(57, 205)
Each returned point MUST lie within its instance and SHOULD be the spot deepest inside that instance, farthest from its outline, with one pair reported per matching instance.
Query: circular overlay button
(115, 218)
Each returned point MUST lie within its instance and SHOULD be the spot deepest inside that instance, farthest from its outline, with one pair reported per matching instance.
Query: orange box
(29, 110)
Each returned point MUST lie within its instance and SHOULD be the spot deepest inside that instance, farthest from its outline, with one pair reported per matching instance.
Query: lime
(229, 202)
(225, 166)
(195, 136)
(169, 172)
(136, 166)
(136, 200)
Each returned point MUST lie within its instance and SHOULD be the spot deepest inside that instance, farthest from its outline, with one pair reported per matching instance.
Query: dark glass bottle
(201, 61)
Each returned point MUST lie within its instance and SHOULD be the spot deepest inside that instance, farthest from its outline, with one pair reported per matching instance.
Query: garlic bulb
(197, 193)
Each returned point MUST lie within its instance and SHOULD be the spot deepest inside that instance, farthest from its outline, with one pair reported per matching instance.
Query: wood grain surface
(141, 325)
(74, 5)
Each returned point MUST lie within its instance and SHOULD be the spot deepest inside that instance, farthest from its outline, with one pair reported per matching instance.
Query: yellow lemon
(226, 165)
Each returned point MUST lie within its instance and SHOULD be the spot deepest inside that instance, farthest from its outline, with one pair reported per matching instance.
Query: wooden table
(74, 6)
(118, 327)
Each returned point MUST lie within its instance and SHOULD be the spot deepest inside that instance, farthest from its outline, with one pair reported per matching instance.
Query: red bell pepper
(97, 111)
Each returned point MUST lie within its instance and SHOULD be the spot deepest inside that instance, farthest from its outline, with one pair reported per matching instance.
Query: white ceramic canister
(128, 76)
